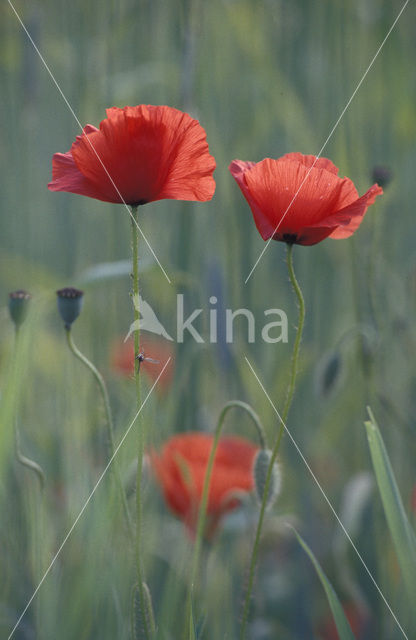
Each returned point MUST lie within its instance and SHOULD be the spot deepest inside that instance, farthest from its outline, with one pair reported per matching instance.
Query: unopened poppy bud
(382, 175)
(328, 373)
(260, 468)
(69, 304)
(19, 306)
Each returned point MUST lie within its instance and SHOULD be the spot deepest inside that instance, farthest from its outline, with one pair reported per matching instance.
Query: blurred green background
(264, 77)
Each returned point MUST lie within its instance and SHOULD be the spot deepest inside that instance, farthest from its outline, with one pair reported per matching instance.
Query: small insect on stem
(141, 357)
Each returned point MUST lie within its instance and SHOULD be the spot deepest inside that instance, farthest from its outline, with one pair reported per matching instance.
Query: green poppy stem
(21, 459)
(27, 462)
(285, 412)
(148, 625)
(205, 493)
(110, 424)
(35, 502)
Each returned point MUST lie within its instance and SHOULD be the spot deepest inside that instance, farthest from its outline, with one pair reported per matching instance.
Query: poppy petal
(311, 161)
(190, 165)
(238, 169)
(356, 211)
(65, 174)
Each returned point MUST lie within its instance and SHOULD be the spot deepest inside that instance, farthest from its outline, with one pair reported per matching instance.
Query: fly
(141, 357)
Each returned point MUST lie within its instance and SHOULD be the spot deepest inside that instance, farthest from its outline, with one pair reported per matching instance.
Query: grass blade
(400, 529)
(341, 622)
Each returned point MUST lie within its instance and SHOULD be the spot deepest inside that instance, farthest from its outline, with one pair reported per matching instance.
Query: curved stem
(110, 424)
(35, 512)
(27, 462)
(205, 493)
(23, 460)
(283, 418)
(140, 428)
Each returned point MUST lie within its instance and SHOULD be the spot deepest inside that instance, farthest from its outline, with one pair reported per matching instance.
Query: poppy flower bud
(19, 306)
(69, 304)
(260, 467)
(328, 373)
(382, 175)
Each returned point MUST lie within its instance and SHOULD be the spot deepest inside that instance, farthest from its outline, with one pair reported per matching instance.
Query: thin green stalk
(27, 462)
(205, 493)
(34, 501)
(143, 601)
(285, 412)
(23, 460)
(110, 424)
(298, 338)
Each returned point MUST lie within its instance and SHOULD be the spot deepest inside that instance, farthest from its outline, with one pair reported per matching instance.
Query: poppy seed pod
(69, 304)
(19, 306)
(260, 468)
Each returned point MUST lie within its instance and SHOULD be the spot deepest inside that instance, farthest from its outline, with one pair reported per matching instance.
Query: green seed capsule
(70, 302)
(19, 306)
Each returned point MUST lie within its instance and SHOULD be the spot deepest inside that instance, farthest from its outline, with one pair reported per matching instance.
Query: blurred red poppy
(323, 203)
(156, 352)
(180, 469)
(356, 615)
(138, 155)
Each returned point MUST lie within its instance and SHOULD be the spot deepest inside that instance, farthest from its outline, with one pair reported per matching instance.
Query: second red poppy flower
(300, 199)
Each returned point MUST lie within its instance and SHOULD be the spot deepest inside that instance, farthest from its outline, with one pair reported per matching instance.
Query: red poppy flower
(325, 204)
(180, 469)
(156, 352)
(138, 155)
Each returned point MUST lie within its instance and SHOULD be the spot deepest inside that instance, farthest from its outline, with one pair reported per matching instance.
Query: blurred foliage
(264, 77)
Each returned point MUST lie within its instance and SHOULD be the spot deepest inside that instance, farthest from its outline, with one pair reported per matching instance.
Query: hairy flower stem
(110, 424)
(205, 493)
(285, 412)
(143, 601)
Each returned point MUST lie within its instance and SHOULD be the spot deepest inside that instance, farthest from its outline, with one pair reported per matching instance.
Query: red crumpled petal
(309, 161)
(139, 154)
(357, 211)
(294, 200)
(66, 175)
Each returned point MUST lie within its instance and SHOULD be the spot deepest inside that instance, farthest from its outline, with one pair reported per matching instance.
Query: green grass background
(264, 77)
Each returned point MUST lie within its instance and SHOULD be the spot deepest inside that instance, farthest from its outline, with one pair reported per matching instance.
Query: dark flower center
(290, 238)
